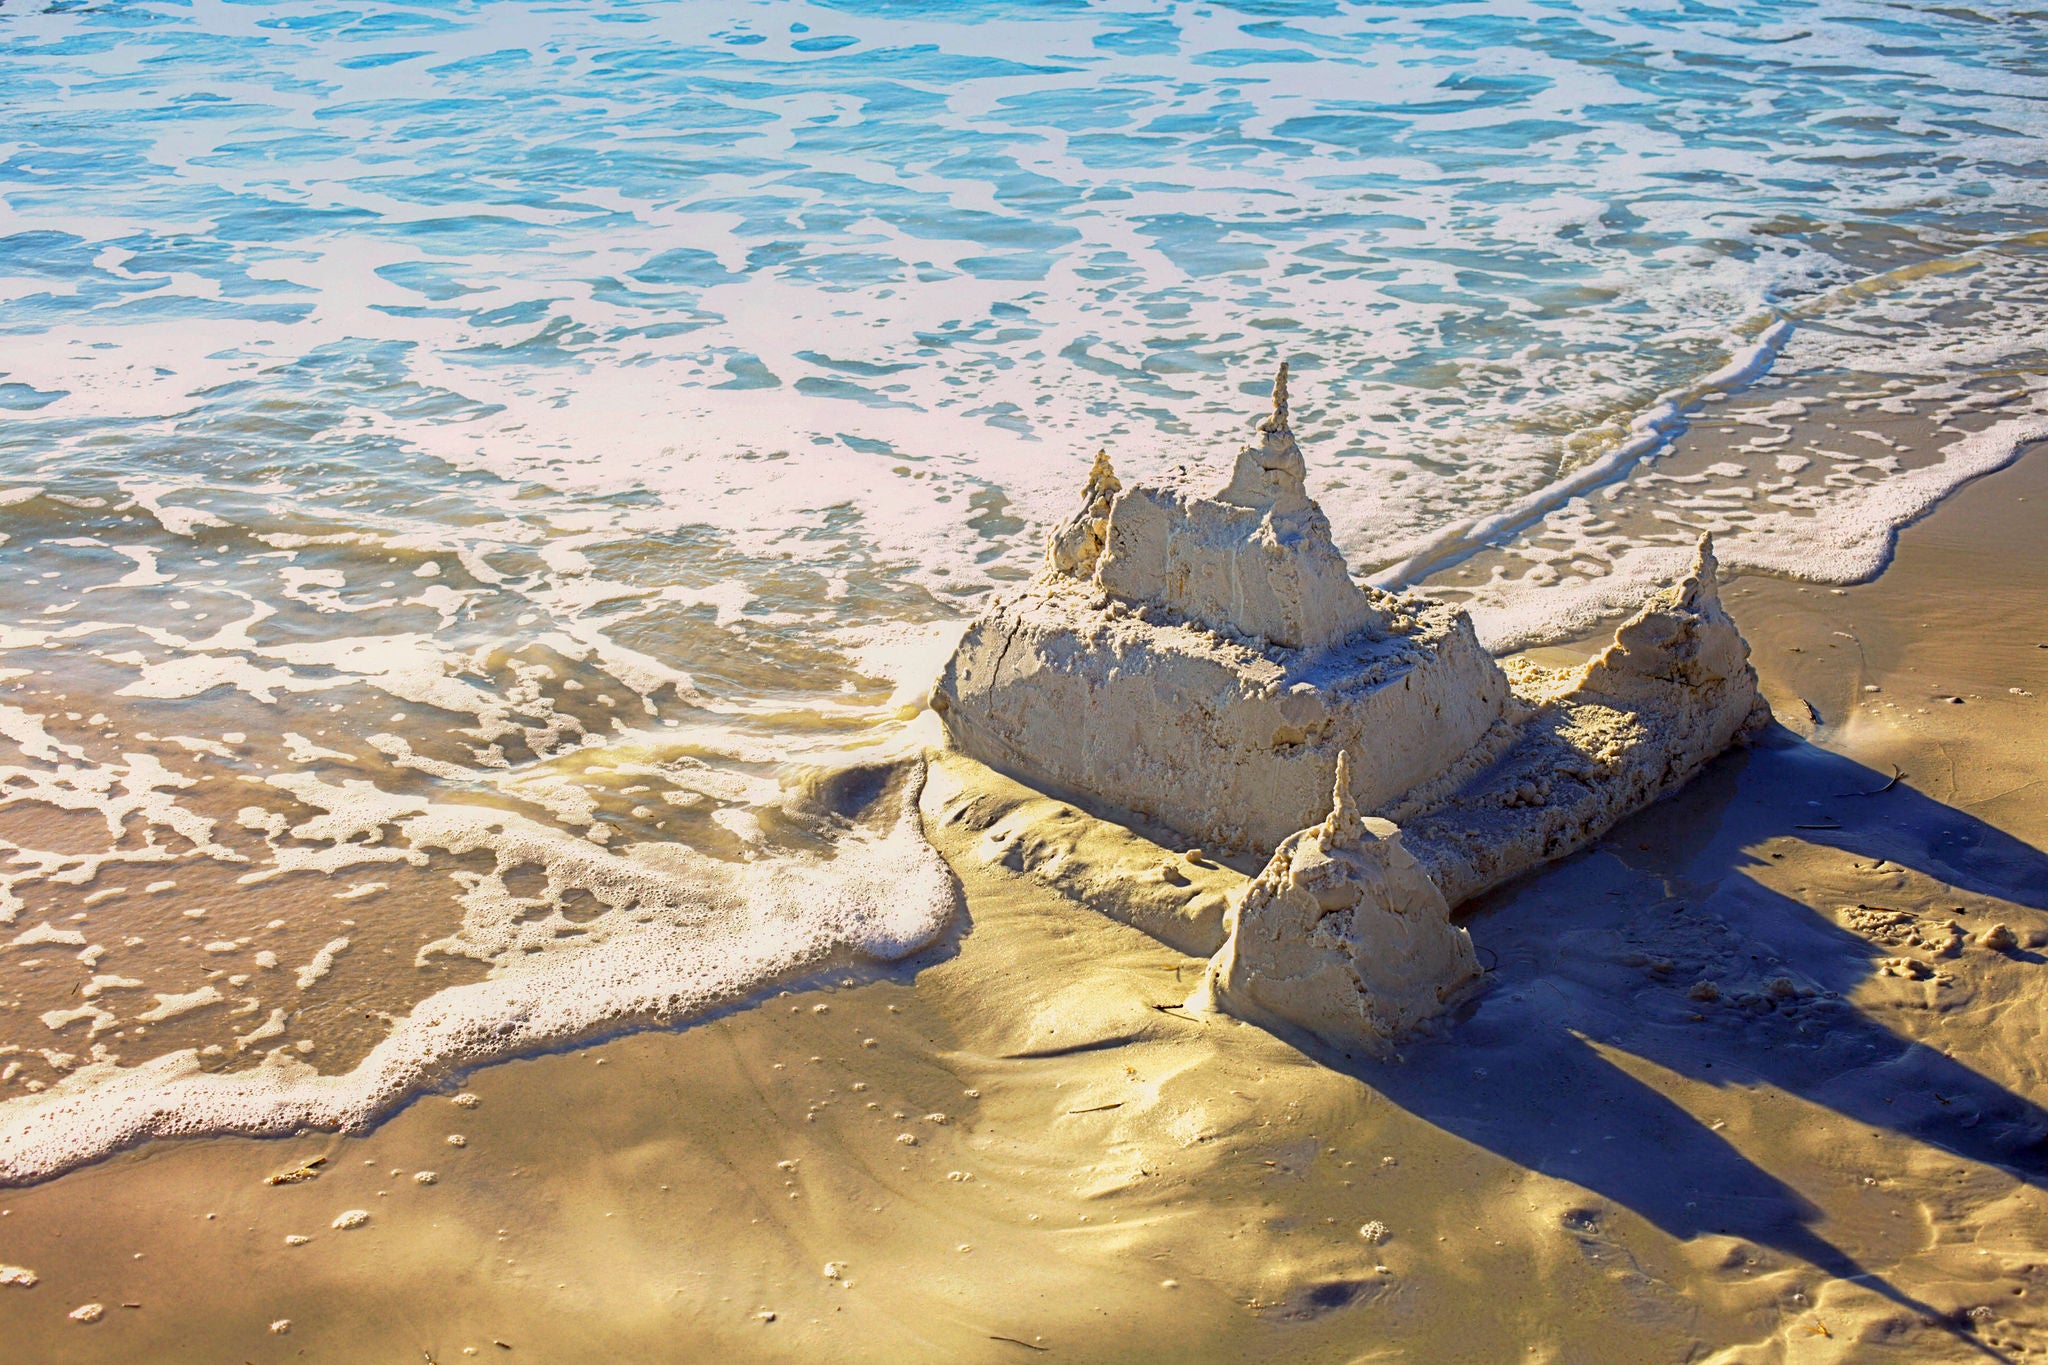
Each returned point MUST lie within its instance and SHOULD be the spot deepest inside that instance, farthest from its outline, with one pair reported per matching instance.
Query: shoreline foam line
(1648, 432)
(1854, 544)
(880, 897)
(1863, 533)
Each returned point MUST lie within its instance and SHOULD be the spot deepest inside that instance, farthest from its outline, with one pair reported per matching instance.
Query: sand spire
(1075, 544)
(1102, 482)
(1271, 473)
(1343, 935)
(1278, 420)
(1704, 578)
(1345, 826)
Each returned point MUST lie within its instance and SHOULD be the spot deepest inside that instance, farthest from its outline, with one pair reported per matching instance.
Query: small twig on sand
(1018, 1341)
(1897, 775)
(306, 1170)
(1100, 1108)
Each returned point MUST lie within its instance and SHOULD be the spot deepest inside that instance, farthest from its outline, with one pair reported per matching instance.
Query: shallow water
(461, 462)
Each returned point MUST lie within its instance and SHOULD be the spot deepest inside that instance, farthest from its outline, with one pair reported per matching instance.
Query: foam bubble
(172, 1005)
(322, 963)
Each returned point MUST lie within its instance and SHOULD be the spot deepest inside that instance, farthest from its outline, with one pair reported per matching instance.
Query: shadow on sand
(1604, 950)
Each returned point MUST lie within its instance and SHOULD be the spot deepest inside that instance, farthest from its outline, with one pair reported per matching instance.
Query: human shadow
(1596, 976)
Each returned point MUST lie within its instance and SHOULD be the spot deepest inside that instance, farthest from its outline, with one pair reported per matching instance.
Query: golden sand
(1737, 1092)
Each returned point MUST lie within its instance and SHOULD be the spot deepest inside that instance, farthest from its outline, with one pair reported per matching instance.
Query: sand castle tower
(1202, 661)
(1343, 935)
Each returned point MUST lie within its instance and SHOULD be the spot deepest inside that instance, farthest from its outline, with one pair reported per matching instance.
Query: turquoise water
(584, 247)
(579, 412)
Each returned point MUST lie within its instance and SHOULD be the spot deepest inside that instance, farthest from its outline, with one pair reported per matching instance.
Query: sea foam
(706, 935)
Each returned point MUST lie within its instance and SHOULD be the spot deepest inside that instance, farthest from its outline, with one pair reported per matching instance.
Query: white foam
(198, 673)
(1853, 541)
(172, 1005)
(908, 655)
(301, 750)
(1959, 336)
(728, 598)
(179, 521)
(711, 934)
(57, 1020)
(27, 731)
(272, 1027)
(1848, 538)
(1647, 432)
(47, 933)
(322, 963)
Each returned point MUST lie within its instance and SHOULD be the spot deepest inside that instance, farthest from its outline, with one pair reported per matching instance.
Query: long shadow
(1607, 950)
(1883, 815)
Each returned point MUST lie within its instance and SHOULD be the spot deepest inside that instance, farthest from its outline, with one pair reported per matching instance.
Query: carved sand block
(1208, 663)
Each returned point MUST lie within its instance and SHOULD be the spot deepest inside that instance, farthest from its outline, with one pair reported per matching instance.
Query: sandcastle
(1210, 665)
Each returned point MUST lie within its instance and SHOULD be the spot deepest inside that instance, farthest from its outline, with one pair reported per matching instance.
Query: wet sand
(1736, 1093)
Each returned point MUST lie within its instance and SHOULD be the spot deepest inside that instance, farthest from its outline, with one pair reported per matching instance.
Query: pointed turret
(1700, 589)
(1342, 934)
(1681, 637)
(1255, 560)
(1345, 827)
(1270, 474)
(1277, 421)
(1075, 544)
(1103, 483)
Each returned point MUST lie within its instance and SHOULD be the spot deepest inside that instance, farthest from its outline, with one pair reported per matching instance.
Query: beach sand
(1735, 1092)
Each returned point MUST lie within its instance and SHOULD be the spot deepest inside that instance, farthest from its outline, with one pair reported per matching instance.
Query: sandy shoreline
(1695, 1117)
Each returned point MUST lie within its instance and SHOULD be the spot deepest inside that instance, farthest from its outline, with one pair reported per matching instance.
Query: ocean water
(484, 485)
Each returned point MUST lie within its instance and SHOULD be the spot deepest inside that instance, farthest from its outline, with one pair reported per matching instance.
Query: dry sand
(1735, 1093)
